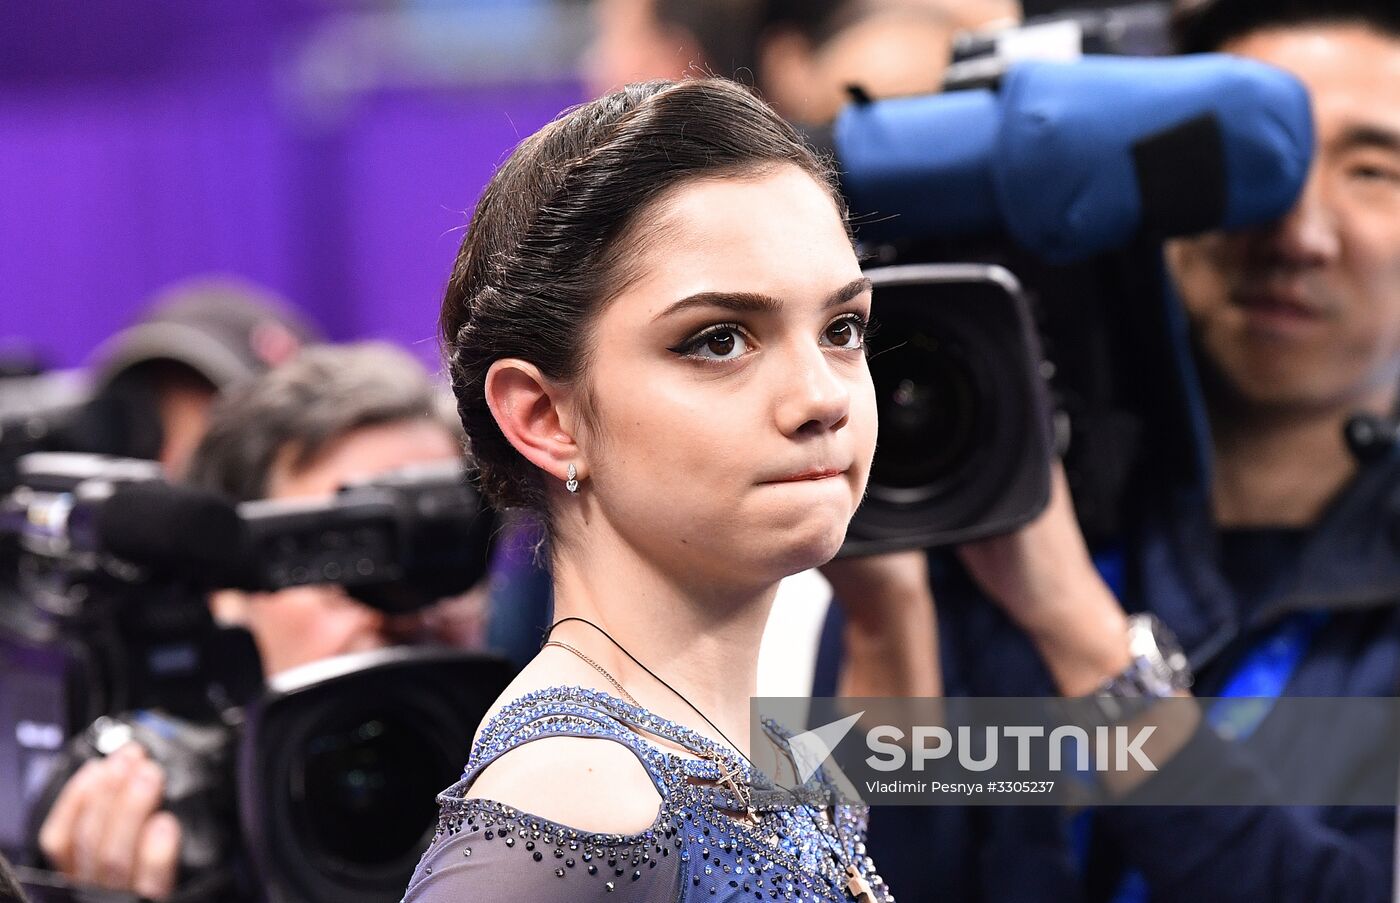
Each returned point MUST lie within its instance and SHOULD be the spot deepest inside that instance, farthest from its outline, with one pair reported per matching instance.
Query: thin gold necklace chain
(597, 667)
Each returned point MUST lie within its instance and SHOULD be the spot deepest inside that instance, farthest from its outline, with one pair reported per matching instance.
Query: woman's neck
(699, 636)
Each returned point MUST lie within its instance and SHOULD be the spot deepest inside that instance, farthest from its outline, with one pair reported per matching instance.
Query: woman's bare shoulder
(594, 783)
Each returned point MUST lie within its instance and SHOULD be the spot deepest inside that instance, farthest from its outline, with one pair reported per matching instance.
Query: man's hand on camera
(1043, 577)
(106, 828)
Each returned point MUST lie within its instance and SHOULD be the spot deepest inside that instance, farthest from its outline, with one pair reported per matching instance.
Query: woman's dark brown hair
(553, 236)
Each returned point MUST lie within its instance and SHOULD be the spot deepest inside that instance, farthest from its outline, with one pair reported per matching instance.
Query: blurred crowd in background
(329, 150)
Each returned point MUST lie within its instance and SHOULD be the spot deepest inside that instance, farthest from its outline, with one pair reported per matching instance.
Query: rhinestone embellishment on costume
(714, 837)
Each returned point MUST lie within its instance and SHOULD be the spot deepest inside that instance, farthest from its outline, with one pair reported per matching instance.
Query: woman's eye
(847, 332)
(719, 343)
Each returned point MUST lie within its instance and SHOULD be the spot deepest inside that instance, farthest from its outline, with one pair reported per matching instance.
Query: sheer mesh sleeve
(701, 846)
(486, 852)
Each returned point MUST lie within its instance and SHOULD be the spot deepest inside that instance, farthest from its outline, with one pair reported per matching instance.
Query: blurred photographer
(155, 381)
(802, 55)
(331, 416)
(1275, 570)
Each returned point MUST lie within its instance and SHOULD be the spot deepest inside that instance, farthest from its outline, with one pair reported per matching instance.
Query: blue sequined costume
(700, 846)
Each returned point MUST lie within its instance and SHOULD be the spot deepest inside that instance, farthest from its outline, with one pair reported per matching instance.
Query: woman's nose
(814, 398)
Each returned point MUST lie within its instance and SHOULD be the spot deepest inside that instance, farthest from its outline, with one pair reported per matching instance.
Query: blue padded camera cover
(1074, 159)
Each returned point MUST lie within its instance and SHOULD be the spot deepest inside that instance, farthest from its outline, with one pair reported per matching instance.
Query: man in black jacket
(1281, 538)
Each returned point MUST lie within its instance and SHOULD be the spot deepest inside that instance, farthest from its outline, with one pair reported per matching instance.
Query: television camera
(316, 786)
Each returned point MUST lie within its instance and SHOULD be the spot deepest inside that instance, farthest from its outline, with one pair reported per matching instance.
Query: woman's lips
(816, 473)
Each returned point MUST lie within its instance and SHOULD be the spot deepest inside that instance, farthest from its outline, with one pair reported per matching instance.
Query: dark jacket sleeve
(1283, 854)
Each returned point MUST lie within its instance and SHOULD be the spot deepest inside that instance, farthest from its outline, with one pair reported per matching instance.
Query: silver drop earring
(571, 483)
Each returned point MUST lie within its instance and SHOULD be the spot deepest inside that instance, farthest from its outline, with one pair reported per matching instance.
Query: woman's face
(732, 415)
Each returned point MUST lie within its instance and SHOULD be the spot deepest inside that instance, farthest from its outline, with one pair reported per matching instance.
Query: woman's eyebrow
(754, 302)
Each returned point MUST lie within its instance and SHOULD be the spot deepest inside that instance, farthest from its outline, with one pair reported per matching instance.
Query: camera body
(106, 624)
(62, 411)
(965, 436)
(84, 634)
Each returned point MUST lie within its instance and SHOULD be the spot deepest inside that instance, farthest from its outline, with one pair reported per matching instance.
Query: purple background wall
(136, 149)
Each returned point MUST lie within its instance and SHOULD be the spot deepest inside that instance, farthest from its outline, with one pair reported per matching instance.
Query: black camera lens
(368, 787)
(341, 763)
(964, 449)
(930, 410)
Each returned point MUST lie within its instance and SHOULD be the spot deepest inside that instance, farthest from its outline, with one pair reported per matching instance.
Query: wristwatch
(1159, 669)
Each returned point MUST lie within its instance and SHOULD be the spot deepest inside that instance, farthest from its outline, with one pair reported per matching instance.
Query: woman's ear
(534, 415)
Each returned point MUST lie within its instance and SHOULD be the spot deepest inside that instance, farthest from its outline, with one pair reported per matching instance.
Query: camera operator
(155, 381)
(802, 55)
(1271, 569)
(330, 416)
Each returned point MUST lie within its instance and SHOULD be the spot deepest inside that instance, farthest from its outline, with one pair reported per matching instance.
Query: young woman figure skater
(655, 332)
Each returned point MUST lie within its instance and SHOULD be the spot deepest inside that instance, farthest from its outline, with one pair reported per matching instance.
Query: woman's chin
(811, 546)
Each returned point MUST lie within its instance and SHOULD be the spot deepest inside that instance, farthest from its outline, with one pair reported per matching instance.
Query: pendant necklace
(856, 886)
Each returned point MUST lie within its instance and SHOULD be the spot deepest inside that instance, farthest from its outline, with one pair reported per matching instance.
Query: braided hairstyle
(555, 236)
